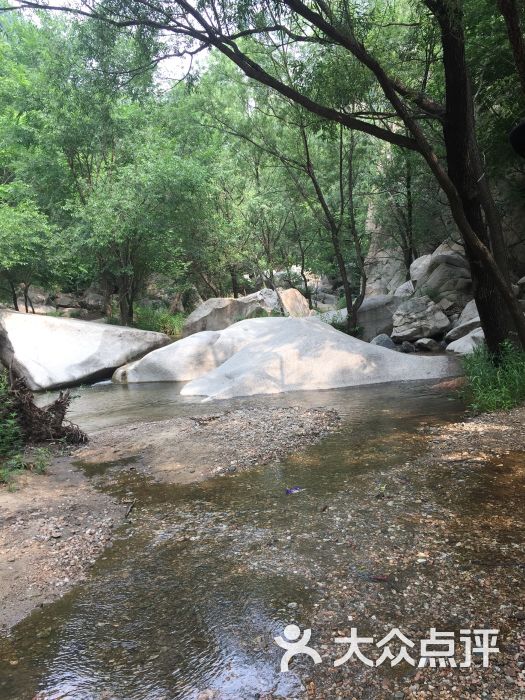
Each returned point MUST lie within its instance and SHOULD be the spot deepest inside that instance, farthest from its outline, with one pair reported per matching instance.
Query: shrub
(10, 433)
(495, 384)
(342, 326)
(160, 320)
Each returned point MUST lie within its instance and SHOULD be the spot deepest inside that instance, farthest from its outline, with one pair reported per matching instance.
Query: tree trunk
(126, 309)
(351, 317)
(467, 174)
(13, 296)
(509, 10)
(235, 285)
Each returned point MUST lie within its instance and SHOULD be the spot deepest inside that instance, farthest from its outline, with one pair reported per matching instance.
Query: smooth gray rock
(469, 312)
(92, 300)
(67, 301)
(462, 329)
(218, 313)
(419, 268)
(375, 316)
(384, 341)
(467, 343)
(418, 317)
(51, 352)
(405, 290)
(407, 347)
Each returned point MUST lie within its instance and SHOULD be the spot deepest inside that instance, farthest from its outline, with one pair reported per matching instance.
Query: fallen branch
(43, 424)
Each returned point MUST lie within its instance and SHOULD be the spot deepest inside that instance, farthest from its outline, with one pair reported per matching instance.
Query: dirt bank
(53, 526)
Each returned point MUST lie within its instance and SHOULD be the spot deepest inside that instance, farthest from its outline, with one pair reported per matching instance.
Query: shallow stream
(194, 589)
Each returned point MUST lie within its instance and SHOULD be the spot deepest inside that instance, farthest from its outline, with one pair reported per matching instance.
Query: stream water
(192, 592)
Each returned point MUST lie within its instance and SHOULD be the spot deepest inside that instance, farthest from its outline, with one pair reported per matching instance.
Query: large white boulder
(179, 362)
(52, 352)
(272, 355)
(418, 317)
(190, 357)
(218, 313)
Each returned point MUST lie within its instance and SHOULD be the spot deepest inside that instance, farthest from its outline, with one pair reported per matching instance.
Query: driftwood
(46, 423)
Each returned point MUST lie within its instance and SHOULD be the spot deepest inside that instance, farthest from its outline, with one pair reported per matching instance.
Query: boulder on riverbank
(468, 343)
(374, 317)
(218, 313)
(293, 303)
(305, 354)
(273, 355)
(419, 318)
(446, 277)
(50, 352)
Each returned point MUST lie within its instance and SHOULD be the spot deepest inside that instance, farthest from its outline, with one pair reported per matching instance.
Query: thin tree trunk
(509, 10)
(13, 295)
(126, 307)
(235, 285)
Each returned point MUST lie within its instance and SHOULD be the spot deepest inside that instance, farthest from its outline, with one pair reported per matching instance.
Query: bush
(494, 385)
(160, 320)
(10, 433)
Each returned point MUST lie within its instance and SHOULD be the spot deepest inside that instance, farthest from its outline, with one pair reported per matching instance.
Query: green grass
(36, 460)
(160, 320)
(495, 386)
(342, 326)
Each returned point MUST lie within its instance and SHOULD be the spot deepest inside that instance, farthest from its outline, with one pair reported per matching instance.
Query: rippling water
(192, 593)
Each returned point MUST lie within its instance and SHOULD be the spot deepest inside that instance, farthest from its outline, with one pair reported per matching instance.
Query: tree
(135, 223)
(396, 102)
(25, 244)
(311, 167)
